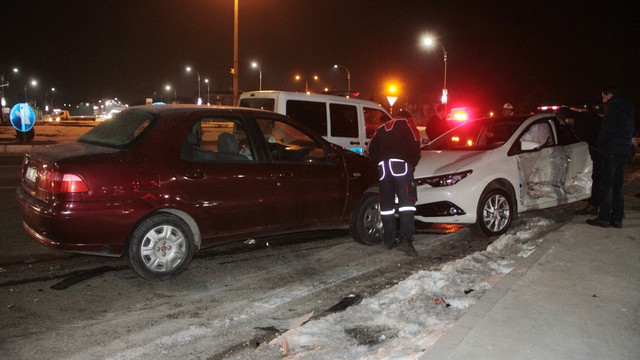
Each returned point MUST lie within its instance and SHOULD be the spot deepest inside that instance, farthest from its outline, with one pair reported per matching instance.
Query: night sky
(523, 52)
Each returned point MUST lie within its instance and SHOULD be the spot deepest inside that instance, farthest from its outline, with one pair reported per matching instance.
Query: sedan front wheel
(495, 213)
(161, 247)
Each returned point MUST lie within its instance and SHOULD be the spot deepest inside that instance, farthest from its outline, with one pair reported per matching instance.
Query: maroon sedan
(158, 182)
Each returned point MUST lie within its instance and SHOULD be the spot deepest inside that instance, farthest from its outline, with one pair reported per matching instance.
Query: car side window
(538, 135)
(312, 114)
(287, 144)
(344, 120)
(217, 140)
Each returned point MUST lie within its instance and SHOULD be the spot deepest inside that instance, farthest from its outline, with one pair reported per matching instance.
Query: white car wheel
(495, 213)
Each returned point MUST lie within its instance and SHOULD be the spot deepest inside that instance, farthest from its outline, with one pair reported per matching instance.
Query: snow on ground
(403, 321)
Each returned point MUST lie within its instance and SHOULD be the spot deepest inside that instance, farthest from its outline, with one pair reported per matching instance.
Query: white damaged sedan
(484, 172)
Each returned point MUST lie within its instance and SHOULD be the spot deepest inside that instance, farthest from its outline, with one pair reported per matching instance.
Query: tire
(495, 213)
(366, 224)
(161, 247)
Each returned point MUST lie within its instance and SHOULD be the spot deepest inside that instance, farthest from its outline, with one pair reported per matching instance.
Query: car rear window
(121, 131)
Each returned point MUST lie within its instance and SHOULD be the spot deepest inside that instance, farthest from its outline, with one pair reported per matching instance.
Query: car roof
(161, 109)
(303, 95)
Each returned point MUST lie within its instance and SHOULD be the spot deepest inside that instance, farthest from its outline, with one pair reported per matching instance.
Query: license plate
(31, 174)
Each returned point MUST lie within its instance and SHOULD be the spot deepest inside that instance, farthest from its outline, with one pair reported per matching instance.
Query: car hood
(59, 152)
(440, 162)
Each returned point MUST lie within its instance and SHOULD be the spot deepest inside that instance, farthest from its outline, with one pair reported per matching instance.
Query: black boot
(406, 246)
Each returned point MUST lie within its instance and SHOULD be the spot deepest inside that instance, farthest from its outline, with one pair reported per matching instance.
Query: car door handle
(194, 174)
(354, 142)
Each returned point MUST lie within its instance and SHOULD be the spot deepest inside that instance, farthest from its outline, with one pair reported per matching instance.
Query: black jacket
(618, 127)
(398, 138)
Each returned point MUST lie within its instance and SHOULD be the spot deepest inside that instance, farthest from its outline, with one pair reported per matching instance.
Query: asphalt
(576, 297)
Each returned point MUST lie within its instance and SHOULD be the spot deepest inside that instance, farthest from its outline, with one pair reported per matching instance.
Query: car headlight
(443, 180)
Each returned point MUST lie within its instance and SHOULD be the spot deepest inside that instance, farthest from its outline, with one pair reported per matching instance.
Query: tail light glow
(57, 182)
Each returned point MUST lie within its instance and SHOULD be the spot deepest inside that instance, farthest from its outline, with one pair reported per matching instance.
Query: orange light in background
(460, 115)
(455, 138)
(469, 142)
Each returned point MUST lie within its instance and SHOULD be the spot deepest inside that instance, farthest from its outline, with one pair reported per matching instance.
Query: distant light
(455, 138)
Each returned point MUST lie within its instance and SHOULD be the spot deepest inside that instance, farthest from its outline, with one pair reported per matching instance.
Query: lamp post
(255, 65)
(348, 75)
(235, 52)
(34, 83)
(46, 94)
(198, 74)
(429, 41)
(175, 95)
(306, 82)
(207, 82)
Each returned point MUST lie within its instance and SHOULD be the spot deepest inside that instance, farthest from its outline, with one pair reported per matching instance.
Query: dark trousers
(396, 180)
(595, 177)
(611, 194)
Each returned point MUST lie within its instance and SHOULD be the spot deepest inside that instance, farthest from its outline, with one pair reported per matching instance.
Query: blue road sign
(22, 117)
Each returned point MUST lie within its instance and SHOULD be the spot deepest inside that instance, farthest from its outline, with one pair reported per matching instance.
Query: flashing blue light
(358, 150)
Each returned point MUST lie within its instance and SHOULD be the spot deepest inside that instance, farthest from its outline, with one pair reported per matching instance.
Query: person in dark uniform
(585, 126)
(437, 124)
(614, 144)
(395, 147)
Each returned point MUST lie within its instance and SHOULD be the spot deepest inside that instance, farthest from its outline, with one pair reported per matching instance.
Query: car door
(311, 186)
(542, 167)
(345, 126)
(224, 180)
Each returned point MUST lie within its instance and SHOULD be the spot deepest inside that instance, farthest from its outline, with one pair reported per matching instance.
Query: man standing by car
(437, 124)
(395, 147)
(585, 126)
(614, 143)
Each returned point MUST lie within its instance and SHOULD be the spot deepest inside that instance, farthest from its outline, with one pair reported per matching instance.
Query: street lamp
(348, 76)
(34, 83)
(306, 83)
(207, 82)
(429, 42)
(46, 94)
(197, 73)
(175, 95)
(255, 65)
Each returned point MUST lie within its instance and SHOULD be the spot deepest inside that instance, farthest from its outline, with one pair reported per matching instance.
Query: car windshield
(121, 131)
(482, 134)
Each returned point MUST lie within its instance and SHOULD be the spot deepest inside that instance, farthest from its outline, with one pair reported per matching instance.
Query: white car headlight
(443, 180)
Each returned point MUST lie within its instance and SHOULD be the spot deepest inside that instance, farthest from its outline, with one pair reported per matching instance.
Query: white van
(347, 122)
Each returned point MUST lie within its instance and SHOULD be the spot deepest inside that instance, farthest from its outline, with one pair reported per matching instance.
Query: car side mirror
(526, 145)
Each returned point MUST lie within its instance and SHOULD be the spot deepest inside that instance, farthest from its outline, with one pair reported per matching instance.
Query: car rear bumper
(97, 228)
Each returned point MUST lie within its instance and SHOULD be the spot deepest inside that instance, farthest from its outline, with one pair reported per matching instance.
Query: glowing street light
(306, 82)
(197, 73)
(206, 81)
(255, 65)
(175, 95)
(348, 75)
(429, 42)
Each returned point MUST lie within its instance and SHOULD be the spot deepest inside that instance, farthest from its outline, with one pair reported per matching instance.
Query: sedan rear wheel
(161, 247)
(495, 213)
(366, 223)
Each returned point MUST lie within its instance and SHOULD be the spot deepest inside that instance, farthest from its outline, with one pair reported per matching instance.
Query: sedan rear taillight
(57, 182)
